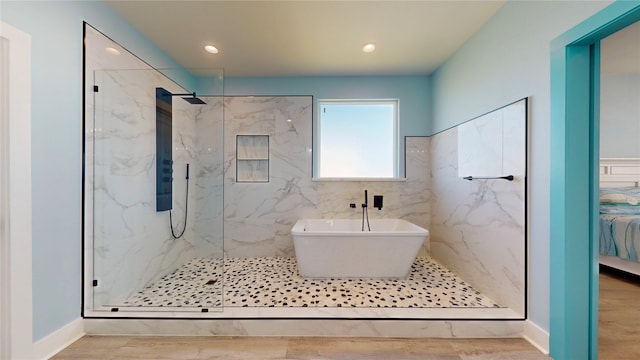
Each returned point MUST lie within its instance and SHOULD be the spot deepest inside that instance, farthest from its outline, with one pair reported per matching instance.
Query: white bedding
(620, 213)
(620, 235)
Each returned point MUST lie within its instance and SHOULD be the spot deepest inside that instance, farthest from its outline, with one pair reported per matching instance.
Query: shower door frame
(91, 89)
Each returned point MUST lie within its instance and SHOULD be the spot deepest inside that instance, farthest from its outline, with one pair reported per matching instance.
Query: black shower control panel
(377, 201)
(164, 157)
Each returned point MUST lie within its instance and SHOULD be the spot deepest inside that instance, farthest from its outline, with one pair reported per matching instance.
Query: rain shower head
(191, 99)
(194, 100)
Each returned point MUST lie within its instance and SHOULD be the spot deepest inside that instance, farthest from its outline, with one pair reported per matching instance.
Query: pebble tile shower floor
(274, 282)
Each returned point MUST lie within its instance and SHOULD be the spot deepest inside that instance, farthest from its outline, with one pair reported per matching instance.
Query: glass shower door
(144, 259)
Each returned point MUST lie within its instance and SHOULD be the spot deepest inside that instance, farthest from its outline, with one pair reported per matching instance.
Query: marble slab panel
(252, 147)
(478, 227)
(306, 327)
(480, 146)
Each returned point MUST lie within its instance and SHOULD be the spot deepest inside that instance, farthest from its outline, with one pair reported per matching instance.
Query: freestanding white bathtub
(340, 249)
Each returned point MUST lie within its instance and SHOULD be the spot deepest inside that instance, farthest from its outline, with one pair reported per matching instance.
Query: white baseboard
(536, 336)
(53, 343)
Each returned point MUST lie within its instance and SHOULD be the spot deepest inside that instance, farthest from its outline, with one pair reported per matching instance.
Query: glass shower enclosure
(153, 184)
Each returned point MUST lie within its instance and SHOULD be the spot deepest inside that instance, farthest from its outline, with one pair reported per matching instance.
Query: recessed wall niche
(252, 158)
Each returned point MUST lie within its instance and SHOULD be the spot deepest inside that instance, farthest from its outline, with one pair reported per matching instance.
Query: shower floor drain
(274, 282)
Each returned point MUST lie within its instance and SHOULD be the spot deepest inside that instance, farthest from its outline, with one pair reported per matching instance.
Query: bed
(620, 214)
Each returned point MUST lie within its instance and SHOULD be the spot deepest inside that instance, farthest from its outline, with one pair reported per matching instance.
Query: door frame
(574, 172)
(16, 331)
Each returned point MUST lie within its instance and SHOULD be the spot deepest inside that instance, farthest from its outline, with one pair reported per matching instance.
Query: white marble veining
(252, 147)
(259, 216)
(493, 144)
(478, 227)
(480, 146)
(252, 171)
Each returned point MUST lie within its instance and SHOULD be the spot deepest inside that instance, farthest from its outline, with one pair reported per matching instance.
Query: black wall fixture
(164, 157)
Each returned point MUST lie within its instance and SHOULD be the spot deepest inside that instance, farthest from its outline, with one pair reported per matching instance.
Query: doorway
(619, 215)
(575, 64)
(15, 194)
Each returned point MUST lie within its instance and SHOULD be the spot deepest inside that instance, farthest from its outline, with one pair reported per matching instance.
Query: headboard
(619, 172)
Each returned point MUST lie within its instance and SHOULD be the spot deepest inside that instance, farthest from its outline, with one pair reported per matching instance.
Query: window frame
(318, 131)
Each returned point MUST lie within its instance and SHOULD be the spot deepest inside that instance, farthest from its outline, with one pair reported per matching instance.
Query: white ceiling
(309, 38)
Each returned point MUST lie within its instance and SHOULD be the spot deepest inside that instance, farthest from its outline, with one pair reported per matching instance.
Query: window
(357, 139)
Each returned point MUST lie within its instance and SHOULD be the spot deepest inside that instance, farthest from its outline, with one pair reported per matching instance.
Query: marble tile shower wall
(478, 227)
(258, 217)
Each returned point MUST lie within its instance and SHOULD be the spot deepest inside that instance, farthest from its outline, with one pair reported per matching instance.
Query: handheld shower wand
(365, 210)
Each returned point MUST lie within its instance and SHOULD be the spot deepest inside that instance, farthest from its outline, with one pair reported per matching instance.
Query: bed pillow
(622, 196)
(620, 201)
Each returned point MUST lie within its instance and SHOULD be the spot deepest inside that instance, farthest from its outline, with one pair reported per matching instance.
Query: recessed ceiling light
(112, 51)
(212, 49)
(369, 47)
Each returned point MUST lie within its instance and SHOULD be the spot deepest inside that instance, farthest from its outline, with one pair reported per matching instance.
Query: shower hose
(186, 212)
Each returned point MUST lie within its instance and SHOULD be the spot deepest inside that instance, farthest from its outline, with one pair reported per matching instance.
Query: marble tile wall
(259, 216)
(478, 227)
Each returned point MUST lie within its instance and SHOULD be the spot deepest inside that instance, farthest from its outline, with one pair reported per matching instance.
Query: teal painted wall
(506, 60)
(56, 32)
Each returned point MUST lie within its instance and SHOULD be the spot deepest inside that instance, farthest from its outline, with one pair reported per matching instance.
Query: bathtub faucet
(365, 211)
(366, 200)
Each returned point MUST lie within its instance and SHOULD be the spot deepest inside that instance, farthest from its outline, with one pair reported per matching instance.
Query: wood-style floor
(619, 339)
(619, 317)
(267, 348)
